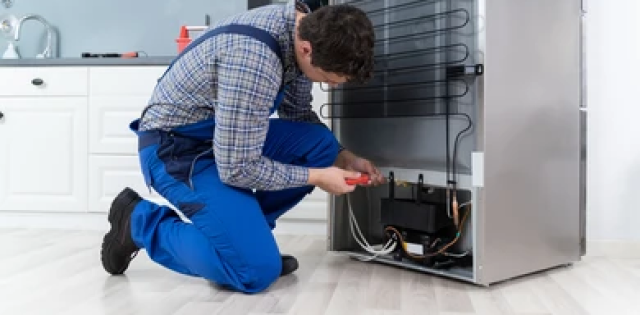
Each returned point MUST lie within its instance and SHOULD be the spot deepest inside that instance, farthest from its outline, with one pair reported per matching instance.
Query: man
(208, 144)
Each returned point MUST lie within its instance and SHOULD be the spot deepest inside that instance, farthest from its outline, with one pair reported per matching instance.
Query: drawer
(109, 119)
(45, 81)
(124, 81)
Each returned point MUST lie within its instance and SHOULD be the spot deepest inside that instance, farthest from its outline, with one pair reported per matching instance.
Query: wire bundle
(381, 250)
(390, 246)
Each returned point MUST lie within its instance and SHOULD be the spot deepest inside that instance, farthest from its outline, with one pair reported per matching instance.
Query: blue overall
(230, 241)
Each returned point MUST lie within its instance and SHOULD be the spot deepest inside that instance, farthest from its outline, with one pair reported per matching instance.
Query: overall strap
(247, 30)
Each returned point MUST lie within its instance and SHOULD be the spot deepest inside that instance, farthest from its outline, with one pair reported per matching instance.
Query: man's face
(315, 74)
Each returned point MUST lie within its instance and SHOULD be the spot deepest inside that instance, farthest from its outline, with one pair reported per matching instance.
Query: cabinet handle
(37, 81)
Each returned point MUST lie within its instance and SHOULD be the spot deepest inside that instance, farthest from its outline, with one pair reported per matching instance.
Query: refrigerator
(476, 116)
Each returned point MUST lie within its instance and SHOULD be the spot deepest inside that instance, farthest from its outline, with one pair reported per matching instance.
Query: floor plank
(59, 272)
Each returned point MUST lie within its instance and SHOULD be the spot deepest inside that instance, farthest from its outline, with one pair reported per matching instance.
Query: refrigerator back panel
(421, 46)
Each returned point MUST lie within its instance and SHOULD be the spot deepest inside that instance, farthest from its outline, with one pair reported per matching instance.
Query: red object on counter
(133, 54)
(184, 40)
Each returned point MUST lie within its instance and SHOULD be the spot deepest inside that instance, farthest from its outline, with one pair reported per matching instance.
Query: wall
(613, 50)
(115, 25)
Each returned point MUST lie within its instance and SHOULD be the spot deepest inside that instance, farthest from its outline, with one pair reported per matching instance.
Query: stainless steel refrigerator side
(532, 137)
(583, 130)
(478, 218)
(330, 199)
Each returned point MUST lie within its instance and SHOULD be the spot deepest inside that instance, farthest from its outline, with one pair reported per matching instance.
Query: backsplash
(113, 26)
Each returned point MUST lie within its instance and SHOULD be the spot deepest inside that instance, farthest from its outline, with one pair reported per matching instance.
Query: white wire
(464, 204)
(362, 241)
(459, 207)
(457, 255)
(385, 249)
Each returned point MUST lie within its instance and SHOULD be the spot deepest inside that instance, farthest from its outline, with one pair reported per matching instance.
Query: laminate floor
(59, 272)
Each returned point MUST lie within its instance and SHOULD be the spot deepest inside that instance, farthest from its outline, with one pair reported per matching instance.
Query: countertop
(140, 61)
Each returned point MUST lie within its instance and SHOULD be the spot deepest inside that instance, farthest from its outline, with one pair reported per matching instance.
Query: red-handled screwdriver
(363, 179)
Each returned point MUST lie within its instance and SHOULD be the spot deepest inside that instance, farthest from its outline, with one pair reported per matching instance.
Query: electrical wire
(454, 183)
(390, 246)
(448, 49)
(392, 243)
(457, 255)
(442, 250)
(385, 249)
(457, 142)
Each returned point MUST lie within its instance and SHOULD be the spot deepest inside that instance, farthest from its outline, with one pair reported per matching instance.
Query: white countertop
(140, 61)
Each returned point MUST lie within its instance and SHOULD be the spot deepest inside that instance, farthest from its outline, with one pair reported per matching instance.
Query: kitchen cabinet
(65, 143)
(43, 140)
(43, 82)
(109, 174)
(118, 95)
(43, 154)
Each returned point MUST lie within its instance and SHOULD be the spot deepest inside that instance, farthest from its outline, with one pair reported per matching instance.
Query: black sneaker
(118, 248)
(289, 265)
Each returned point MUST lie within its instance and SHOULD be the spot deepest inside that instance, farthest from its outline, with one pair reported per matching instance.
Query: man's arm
(248, 80)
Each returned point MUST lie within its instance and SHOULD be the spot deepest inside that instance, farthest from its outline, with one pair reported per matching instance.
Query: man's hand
(332, 179)
(349, 161)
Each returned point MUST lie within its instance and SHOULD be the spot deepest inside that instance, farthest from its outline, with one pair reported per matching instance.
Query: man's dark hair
(342, 40)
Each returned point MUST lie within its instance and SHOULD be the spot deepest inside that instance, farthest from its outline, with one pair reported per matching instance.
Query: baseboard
(98, 222)
(63, 221)
(613, 248)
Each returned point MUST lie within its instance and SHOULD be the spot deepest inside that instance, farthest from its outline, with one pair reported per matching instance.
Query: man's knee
(266, 269)
(247, 262)
(258, 272)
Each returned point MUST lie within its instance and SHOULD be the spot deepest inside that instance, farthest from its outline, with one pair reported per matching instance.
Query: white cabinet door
(117, 96)
(109, 175)
(109, 119)
(43, 154)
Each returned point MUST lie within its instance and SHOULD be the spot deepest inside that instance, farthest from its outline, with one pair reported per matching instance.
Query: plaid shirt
(234, 79)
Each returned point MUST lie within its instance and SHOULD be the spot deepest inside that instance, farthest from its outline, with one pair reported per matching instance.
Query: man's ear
(305, 48)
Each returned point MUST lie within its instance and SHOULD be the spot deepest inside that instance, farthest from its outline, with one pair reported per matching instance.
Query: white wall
(613, 35)
(613, 50)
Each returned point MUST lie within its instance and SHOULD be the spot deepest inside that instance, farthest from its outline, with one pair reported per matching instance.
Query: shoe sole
(124, 200)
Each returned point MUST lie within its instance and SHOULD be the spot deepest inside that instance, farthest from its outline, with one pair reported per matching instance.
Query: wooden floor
(59, 272)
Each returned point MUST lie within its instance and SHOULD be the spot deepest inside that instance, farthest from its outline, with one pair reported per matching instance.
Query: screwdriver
(364, 179)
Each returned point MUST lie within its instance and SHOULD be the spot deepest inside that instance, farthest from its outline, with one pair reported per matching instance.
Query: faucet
(47, 53)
